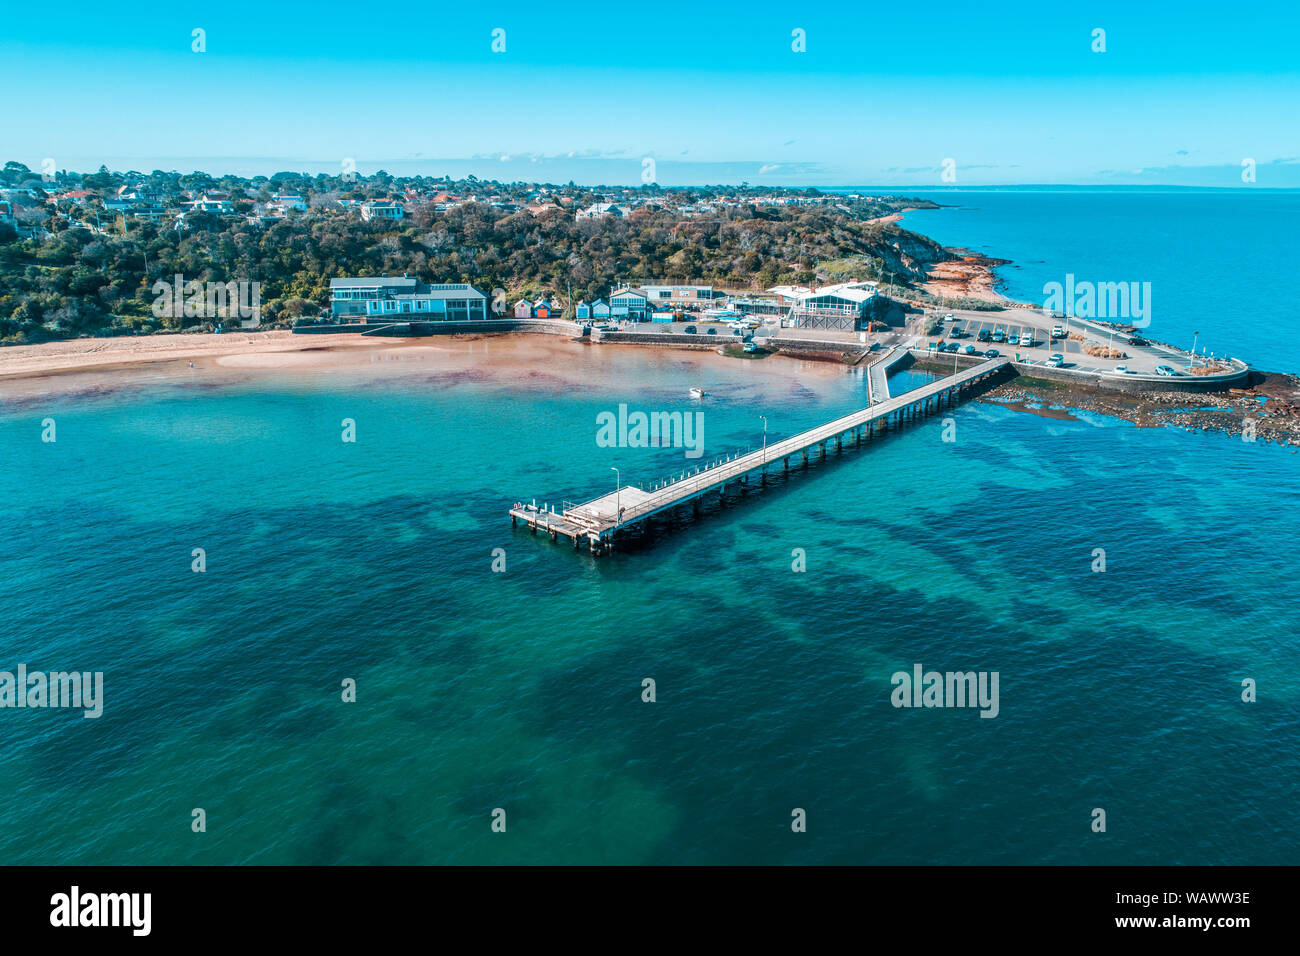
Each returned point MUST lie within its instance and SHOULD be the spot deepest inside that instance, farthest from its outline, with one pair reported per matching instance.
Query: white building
(285, 203)
(599, 210)
(381, 209)
(846, 305)
(404, 300)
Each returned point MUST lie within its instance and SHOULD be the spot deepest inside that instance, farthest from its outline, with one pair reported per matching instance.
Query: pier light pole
(618, 488)
(764, 417)
(1192, 361)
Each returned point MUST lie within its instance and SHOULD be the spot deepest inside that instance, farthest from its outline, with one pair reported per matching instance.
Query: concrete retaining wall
(1138, 383)
(417, 328)
(681, 339)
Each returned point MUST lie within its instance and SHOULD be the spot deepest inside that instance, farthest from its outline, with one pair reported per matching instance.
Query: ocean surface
(522, 689)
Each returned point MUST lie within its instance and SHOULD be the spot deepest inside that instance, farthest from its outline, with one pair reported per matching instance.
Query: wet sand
(86, 367)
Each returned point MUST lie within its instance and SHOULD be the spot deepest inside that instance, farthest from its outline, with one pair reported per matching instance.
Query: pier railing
(692, 485)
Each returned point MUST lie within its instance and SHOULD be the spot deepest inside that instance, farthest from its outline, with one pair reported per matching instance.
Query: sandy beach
(87, 367)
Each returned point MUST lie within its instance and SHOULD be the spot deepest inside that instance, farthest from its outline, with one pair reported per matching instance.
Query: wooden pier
(601, 520)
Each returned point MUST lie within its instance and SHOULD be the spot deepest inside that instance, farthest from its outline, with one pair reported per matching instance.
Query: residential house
(599, 211)
(211, 202)
(283, 204)
(381, 209)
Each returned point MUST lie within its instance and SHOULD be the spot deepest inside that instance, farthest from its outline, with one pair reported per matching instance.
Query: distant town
(84, 253)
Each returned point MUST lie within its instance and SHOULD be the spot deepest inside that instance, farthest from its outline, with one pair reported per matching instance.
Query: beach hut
(582, 309)
(523, 309)
(542, 309)
(600, 309)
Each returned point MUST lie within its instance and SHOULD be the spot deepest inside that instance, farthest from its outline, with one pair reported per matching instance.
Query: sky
(687, 93)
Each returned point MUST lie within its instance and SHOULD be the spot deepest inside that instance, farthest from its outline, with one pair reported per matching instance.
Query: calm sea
(521, 690)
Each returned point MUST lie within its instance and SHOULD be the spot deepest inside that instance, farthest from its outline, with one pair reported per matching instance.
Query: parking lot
(1139, 359)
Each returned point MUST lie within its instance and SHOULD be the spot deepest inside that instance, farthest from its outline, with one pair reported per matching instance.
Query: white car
(1026, 339)
(1122, 369)
(1058, 332)
(1056, 360)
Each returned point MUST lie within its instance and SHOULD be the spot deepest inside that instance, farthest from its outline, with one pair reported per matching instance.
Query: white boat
(697, 393)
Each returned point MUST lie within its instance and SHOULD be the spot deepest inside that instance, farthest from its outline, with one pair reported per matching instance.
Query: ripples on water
(522, 690)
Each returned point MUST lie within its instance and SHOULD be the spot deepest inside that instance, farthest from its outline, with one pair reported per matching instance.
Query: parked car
(970, 350)
(983, 336)
(991, 353)
(1165, 370)
(1135, 340)
(690, 330)
(711, 330)
(957, 332)
(1056, 360)
(1026, 339)
(950, 317)
(1123, 370)
(999, 335)
(1058, 332)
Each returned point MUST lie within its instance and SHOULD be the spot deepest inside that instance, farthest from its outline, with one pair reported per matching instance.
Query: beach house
(844, 306)
(628, 303)
(523, 309)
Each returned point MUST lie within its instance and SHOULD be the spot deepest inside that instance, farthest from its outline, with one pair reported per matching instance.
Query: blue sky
(1012, 92)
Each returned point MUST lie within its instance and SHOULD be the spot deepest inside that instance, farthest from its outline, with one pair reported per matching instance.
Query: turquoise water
(521, 690)
(1220, 262)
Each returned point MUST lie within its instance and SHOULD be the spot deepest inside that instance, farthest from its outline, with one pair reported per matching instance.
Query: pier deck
(598, 521)
(878, 373)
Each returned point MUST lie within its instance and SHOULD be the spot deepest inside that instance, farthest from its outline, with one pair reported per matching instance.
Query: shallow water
(522, 690)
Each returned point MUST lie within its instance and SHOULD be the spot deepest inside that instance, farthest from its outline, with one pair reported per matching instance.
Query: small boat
(697, 392)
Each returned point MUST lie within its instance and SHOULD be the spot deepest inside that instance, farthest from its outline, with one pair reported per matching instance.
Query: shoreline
(971, 275)
(91, 367)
